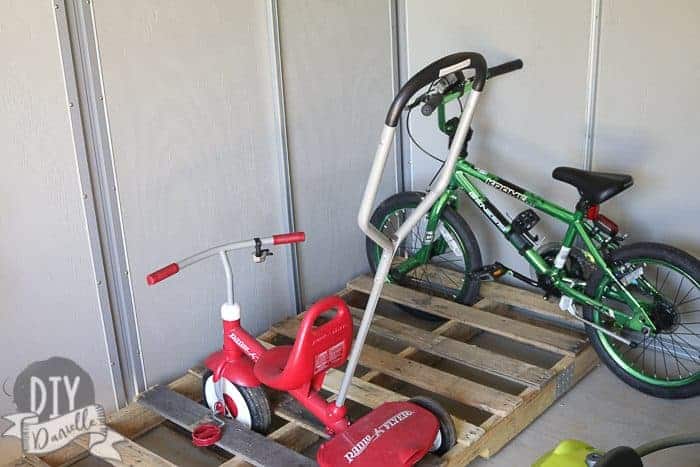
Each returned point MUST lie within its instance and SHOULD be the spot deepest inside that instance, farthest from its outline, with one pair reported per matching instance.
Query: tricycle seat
(315, 350)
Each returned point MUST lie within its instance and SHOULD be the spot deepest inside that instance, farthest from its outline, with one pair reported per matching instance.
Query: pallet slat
(521, 298)
(236, 438)
(425, 377)
(466, 354)
(495, 324)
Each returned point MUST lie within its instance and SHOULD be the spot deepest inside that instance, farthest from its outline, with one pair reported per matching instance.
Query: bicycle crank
(567, 304)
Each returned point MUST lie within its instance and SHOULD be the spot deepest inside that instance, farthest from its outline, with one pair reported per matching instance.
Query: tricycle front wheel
(250, 406)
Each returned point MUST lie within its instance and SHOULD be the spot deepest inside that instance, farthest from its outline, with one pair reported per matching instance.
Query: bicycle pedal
(489, 272)
(525, 221)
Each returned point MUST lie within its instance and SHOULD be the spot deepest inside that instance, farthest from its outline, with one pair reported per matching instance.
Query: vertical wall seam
(592, 82)
(403, 67)
(100, 159)
(85, 176)
(395, 26)
(280, 115)
(104, 154)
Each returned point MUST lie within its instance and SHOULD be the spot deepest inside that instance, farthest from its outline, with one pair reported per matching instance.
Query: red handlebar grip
(162, 273)
(292, 237)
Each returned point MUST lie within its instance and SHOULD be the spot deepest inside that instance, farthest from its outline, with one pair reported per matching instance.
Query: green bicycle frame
(578, 227)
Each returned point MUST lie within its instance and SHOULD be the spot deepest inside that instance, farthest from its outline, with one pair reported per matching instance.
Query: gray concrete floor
(604, 412)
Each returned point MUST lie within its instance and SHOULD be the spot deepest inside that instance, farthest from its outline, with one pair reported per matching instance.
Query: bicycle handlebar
(437, 69)
(173, 268)
(504, 68)
(433, 100)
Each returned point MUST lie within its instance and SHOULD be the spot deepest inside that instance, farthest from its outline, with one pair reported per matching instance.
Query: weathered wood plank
(289, 409)
(499, 431)
(130, 421)
(131, 454)
(425, 377)
(290, 435)
(522, 298)
(459, 352)
(510, 328)
(26, 461)
(236, 439)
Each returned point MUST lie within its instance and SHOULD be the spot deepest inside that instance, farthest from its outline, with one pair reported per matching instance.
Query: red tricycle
(395, 433)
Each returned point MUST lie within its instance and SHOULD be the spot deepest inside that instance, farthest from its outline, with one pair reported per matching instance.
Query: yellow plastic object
(568, 453)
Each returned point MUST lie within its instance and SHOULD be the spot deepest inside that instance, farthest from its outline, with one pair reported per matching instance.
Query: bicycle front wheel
(666, 283)
(454, 252)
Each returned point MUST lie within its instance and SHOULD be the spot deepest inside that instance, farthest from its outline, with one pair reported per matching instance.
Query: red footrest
(395, 433)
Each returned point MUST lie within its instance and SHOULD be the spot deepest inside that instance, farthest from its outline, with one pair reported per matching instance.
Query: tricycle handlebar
(167, 271)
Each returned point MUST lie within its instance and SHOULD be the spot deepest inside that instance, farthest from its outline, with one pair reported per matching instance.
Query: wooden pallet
(493, 366)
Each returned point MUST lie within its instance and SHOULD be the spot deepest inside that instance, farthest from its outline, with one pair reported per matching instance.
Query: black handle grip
(441, 67)
(431, 103)
(504, 68)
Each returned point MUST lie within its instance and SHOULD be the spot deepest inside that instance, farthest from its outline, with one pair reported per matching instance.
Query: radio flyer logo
(55, 400)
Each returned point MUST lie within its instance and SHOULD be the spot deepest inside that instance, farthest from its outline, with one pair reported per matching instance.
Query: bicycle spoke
(663, 355)
(673, 342)
(691, 346)
(678, 290)
(663, 347)
(687, 328)
(656, 281)
(664, 282)
(689, 301)
(685, 296)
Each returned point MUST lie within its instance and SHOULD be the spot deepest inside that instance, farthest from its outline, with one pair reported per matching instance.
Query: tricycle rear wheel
(448, 433)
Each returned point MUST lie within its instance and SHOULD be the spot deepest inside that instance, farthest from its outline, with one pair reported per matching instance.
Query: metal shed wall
(338, 76)
(647, 117)
(47, 281)
(189, 96)
(528, 122)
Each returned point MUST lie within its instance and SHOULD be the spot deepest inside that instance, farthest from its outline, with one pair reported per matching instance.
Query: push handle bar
(389, 245)
(173, 268)
(445, 65)
(504, 68)
(437, 69)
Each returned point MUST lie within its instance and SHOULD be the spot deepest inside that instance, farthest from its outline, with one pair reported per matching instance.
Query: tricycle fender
(238, 370)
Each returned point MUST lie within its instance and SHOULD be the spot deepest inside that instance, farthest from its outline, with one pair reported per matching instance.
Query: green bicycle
(641, 302)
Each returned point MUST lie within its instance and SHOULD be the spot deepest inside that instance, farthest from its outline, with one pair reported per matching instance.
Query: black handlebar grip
(504, 68)
(444, 66)
(431, 104)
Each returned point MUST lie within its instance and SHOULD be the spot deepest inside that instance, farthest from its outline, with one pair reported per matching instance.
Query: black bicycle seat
(594, 187)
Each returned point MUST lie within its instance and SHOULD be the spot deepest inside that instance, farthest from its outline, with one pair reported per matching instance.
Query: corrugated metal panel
(337, 63)
(648, 119)
(528, 122)
(189, 96)
(48, 297)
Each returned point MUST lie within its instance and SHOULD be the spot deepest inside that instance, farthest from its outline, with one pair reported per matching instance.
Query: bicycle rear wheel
(454, 252)
(666, 282)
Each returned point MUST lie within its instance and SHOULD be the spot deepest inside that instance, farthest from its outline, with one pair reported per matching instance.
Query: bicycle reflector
(601, 221)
